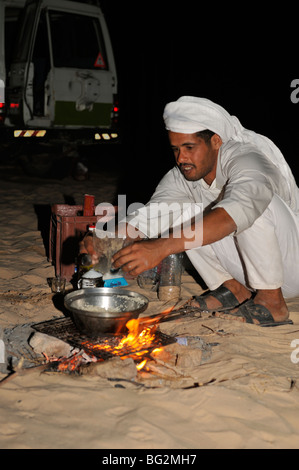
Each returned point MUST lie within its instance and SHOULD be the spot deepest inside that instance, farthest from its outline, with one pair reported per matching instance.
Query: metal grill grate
(65, 330)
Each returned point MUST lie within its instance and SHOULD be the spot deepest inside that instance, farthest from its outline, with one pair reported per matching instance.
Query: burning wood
(137, 340)
(137, 344)
(115, 368)
(145, 353)
(149, 355)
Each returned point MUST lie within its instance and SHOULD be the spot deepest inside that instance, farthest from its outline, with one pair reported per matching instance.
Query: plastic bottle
(170, 278)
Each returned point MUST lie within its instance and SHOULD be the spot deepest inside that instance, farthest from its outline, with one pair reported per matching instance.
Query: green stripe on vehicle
(67, 114)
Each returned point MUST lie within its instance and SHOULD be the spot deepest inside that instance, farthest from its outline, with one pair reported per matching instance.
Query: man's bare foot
(240, 292)
(273, 300)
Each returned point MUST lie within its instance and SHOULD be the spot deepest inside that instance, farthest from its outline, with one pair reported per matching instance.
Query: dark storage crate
(67, 229)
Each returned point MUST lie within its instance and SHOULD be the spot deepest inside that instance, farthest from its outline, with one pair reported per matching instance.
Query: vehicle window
(41, 62)
(23, 41)
(77, 41)
(11, 22)
(41, 43)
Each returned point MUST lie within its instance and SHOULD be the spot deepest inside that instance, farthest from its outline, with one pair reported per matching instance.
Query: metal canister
(87, 276)
(91, 278)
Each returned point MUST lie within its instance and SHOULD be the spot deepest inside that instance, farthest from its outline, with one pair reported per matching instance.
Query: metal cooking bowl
(101, 310)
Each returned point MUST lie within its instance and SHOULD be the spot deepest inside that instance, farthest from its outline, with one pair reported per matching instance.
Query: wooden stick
(21, 372)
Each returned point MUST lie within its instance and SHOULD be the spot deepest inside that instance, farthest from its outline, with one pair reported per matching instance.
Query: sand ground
(246, 395)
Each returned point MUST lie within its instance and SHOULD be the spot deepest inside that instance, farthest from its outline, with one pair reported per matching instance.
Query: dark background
(241, 56)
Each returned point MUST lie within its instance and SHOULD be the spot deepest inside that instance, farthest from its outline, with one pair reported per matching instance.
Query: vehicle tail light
(115, 110)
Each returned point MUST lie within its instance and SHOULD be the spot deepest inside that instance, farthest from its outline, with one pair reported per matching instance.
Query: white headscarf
(190, 114)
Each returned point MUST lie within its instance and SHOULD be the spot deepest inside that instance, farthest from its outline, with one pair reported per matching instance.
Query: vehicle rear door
(82, 79)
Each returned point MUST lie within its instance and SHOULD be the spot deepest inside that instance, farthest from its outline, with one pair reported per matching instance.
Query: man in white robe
(248, 250)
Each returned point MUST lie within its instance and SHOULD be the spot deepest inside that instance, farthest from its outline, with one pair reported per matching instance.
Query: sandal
(224, 295)
(251, 311)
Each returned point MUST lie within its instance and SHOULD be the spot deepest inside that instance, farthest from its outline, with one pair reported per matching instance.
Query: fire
(135, 344)
(137, 339)
(141, 364)
(140, 341)
(71, 363)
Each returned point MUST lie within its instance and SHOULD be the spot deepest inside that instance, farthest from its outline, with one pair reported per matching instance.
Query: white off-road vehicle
(57, 72)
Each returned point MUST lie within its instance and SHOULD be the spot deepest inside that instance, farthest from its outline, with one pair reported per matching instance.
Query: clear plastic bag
(149, 279)
(106, 244)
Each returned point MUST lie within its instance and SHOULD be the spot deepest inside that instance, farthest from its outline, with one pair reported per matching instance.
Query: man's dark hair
(206, 135)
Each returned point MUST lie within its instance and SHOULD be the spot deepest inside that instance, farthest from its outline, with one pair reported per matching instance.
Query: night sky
(241, 58)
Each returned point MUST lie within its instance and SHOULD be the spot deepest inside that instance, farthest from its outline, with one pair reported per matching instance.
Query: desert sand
(244, 396)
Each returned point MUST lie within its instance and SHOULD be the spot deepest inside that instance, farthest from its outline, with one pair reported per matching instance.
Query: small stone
(50, 346)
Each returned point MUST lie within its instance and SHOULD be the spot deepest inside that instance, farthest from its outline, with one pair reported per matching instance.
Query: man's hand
(86, 246)
(140, 256)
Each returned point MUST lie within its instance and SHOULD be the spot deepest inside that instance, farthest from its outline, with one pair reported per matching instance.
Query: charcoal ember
(114, 368)
(49, 346)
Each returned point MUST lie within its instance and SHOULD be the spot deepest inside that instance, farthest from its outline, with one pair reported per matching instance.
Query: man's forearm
(213, 226)
(138, 257)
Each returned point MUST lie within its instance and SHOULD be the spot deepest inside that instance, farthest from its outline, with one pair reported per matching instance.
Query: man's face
(195, 158)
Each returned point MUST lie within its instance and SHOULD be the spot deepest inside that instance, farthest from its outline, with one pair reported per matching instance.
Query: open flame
(140, 341)
(136, 344)
(137, 338)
